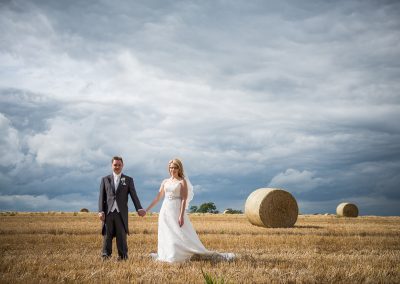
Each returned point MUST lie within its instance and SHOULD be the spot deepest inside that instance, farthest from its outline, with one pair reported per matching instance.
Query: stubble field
(65, 247)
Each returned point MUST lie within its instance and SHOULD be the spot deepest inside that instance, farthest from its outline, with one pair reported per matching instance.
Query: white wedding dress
(175, 243)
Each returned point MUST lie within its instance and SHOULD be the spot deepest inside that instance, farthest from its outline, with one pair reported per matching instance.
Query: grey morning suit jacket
(108, 194)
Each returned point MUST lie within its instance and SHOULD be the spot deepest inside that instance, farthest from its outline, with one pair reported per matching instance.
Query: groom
(113, 208)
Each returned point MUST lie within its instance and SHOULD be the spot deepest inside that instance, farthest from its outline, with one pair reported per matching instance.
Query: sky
(298, 95)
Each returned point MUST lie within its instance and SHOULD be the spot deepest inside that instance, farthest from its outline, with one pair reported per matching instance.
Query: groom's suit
(116, 223)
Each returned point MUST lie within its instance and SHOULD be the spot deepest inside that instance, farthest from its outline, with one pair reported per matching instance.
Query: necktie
(116, 183)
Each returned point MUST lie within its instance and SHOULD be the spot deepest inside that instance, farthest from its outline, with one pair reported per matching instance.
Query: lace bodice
(172, 189)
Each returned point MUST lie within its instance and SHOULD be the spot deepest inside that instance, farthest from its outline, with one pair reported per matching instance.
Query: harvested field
(56, 247)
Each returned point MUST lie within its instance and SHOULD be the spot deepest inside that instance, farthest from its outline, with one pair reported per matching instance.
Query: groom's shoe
(105, 257)
(122, 257)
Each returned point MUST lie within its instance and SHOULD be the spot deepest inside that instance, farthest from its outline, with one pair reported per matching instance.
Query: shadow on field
(213, 258)
(264, 260)
(308, 227)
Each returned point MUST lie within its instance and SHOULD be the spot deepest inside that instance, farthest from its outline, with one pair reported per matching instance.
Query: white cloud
(67, 143)
(296, 181)
(10, 151)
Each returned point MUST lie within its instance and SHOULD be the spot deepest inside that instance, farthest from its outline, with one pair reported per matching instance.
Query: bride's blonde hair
(177, 163)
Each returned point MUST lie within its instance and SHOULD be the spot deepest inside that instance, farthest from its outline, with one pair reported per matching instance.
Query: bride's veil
(190, 191)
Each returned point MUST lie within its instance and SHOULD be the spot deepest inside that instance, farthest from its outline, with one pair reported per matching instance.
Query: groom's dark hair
(116, 158)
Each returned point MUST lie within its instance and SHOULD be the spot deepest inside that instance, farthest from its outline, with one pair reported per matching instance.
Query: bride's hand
(180, 221)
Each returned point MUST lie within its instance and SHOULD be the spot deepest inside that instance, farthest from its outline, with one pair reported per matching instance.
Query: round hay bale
(84, 210)
(271, 207)
(347, 210)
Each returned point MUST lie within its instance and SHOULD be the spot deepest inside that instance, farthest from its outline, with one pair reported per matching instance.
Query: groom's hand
(142, 212)
(101, 216)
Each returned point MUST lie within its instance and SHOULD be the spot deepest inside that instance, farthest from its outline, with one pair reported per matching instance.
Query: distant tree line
(232, 211)
(209, 207)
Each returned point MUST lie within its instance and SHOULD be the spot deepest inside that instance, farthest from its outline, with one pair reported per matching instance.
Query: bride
(177, 239)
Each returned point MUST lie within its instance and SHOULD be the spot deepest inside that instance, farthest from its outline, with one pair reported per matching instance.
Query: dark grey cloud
(302, 96)
(27, 111)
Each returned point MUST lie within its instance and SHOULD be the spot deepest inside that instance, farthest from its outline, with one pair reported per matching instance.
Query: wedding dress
(175, 243)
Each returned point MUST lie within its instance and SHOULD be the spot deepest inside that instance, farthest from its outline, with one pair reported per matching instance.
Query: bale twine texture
(347, 210)
(271, 207)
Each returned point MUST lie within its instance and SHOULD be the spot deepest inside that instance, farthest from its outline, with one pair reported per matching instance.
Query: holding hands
(142, 212)
(101, 216)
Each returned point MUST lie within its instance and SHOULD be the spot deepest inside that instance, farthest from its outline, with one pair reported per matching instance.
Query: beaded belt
(171, 197)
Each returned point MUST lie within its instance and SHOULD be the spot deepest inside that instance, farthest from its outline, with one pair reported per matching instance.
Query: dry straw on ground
(65, 247)
(347, 210)
(271, 207)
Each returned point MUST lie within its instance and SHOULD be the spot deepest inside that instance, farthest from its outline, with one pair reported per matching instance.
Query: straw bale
(271, 207)
(347, 210)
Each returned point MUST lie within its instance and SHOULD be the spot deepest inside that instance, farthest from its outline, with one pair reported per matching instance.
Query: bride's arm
(159, 195)
(184, 194)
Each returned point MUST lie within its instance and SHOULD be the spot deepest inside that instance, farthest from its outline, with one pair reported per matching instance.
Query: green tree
(193, 209)
(232, 211)
(208, 207)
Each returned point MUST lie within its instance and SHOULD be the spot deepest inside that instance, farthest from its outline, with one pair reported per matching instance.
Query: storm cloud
(301, 96)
